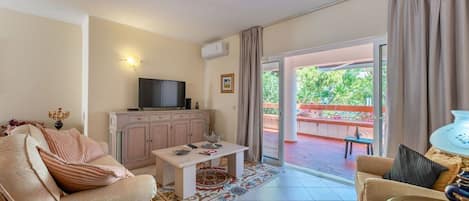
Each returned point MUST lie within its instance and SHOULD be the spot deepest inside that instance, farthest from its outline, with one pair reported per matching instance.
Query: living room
(76, 74)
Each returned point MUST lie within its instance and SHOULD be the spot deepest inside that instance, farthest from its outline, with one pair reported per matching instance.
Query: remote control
(192, 146)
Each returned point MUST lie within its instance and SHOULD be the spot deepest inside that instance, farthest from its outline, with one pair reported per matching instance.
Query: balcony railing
(325, 120)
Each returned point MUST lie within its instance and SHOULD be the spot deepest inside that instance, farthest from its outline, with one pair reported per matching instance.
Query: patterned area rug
(213, 183)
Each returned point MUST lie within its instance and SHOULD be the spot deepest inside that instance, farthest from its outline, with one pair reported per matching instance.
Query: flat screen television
(154, 93)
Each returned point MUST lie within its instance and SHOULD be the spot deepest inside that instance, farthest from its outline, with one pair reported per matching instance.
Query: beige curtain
(428, 73)
(250, 93)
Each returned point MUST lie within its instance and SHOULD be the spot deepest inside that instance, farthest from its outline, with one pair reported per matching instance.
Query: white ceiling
(192, 20)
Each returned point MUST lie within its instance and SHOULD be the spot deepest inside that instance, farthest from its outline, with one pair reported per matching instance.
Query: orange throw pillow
(75, 177)
(452, 162)
(72, 146)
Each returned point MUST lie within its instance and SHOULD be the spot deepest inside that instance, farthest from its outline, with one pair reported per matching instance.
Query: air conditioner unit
(213, 50)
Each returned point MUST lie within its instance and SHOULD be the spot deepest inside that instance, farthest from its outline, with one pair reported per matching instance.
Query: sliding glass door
(379, 91)
(272, 111)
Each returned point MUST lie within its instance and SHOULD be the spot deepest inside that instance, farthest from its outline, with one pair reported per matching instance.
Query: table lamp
(59, 115)
(454, 139)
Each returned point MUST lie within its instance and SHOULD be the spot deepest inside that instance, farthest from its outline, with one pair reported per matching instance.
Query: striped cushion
(72, 146)
(74, 177)
(4, 195)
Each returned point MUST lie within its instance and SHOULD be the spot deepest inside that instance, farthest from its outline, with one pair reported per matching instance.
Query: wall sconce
(132, 62)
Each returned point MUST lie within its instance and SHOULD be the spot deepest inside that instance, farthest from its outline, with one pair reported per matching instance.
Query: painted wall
(351, 20)
(113, 86)
(40, 68)
(224, 105)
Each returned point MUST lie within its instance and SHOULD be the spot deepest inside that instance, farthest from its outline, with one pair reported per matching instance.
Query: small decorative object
(188, 104)
(181, 152)
(208, 152)
(460, 188)
(212, 146)
(227, 83)
(58, 116)
(196, 105)
(357, 133)
(212, 138)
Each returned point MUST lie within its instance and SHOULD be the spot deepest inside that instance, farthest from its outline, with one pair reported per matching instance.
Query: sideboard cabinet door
(159, 135)
(135, 144)
(198, 130)
(180, 133)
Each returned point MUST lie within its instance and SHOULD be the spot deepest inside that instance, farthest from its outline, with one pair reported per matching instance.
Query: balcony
(321, 130)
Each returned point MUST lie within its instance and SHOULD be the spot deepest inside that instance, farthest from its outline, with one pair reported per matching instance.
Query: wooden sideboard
(133, 135)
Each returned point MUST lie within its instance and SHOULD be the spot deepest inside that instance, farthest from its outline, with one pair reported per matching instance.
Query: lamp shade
(453, 138)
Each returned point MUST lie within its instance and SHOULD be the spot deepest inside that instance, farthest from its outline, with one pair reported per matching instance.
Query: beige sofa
(26, 178)
(371, 186)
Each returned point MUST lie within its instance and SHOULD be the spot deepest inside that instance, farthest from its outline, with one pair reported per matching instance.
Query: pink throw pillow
(75, 177)
(72, 146)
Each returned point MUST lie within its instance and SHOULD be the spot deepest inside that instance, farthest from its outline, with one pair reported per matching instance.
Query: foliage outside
(316, 86)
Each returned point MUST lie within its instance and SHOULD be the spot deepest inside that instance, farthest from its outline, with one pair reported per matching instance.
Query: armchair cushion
(374, 165)
(413, 168)
(381, 189)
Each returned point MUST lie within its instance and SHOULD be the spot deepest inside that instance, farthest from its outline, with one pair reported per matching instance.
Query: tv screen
(161, 93)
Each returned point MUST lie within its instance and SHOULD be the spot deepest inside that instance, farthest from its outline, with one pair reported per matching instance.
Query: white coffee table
(182, 169)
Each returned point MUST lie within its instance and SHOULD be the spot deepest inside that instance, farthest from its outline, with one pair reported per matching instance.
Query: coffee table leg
(164, 172)
(215, 162)
(184, 184)
(236, 164)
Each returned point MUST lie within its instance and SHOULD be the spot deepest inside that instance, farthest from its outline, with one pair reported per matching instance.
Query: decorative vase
(461, 187)
(58, 124)
(454, 138)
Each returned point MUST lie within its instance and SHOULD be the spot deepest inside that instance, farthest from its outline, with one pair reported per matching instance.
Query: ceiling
(191, 20)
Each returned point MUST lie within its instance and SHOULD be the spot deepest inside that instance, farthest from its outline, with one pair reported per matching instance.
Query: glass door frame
(280, 160)
(378, 118)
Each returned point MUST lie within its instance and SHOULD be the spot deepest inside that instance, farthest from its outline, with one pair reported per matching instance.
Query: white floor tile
(297, 185)
(323, 194)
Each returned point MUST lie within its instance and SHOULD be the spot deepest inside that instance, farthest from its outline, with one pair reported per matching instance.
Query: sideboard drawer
(181, 116)
(161, 117)
(197, 115)
(137, 118)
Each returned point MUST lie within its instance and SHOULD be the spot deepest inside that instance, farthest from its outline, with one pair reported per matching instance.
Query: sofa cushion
(413, 168)
(72, 146)
(75, 177)
(22, 171)
(452, 162)
(34, 132)
(138, 188)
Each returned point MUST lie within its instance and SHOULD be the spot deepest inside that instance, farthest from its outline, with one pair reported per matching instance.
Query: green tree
(270, 87)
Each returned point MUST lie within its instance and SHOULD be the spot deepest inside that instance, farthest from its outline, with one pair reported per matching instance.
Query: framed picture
(227, 83)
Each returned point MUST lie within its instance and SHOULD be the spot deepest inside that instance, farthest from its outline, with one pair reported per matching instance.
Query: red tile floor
(317, 153)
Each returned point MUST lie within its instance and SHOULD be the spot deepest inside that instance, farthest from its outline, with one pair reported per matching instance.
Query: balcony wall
(331, 128)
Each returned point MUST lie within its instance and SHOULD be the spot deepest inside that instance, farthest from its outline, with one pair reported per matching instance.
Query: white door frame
(378, 96)
(281, 137)
(375, 40)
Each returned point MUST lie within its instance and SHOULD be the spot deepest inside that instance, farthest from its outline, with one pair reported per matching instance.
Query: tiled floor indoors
(297, 185)
(293, 185)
